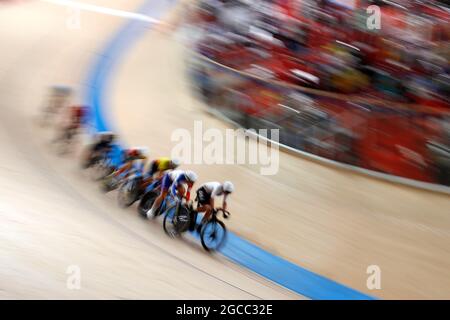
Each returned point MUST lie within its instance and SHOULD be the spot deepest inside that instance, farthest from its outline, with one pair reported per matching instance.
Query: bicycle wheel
(66, 140)
(169, 223)
(87, 162)
(100, 169)
(146, 203)
(127, 193)
(183, 219)
(176, 220)
(109, 183)
(213, 235)
(62, 142)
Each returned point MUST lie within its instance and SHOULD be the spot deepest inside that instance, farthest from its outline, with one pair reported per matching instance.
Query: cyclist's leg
(181, 190)
(165, 186)
(123, 168)
(148, 176)
(160, 174)
(72, 131)
(96, 151)
(207, 209)
(204, 205)
(153, 168)
(157, 203)
(146, 180)
(62, 133)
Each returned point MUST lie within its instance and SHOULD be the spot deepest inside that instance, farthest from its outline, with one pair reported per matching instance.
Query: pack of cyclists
(172, 180)
(164, 171)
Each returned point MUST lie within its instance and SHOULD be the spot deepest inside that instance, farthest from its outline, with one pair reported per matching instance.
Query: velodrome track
(331, 222)
(53, 217)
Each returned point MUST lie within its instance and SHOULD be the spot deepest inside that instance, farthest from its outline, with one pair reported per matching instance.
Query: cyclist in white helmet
(174, 182)
(206, 195)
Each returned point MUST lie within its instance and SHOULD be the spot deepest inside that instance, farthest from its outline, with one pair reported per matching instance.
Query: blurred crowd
(328, 45)
(338, 51)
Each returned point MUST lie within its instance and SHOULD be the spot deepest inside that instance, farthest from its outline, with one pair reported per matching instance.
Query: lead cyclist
(206, 195)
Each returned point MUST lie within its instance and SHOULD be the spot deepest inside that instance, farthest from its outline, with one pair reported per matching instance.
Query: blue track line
(240, 251)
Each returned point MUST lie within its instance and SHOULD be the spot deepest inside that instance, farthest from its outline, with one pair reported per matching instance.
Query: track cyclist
(132, 157)
(206, 195)
(77, 117)
(159, 166)
(58, 98)
(103, 144)
(174, 182)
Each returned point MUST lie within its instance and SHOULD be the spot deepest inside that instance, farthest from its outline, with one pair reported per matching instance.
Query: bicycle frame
(171, 200)
(210, 229)
(153, 186)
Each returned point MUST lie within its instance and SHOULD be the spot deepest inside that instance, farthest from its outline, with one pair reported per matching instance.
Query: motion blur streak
(103, 10)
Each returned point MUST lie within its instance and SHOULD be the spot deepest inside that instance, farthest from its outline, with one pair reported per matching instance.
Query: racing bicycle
(131, 189)
(178, 217)
(113, 181)
(149, 196)
(213, 233)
